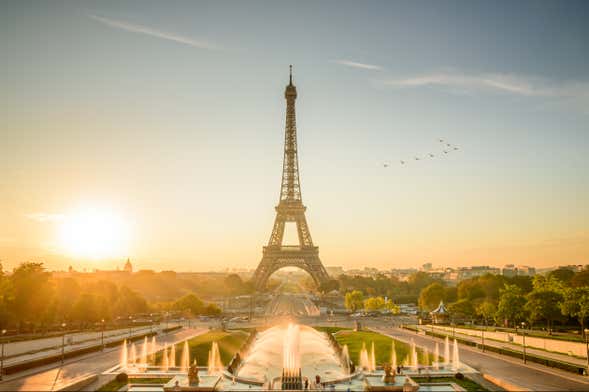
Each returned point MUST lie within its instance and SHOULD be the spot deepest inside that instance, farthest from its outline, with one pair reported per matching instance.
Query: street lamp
(524, 339)
(130, 326)
(62, 343)
(102, 335)
(586, 347)
(453, 330)
(483, 334)
(2, 358)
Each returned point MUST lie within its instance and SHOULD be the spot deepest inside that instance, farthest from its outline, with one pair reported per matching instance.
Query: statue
(389, 374)
(193, 374)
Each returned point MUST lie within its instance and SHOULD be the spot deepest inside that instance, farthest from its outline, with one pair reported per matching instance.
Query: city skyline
(159, 132)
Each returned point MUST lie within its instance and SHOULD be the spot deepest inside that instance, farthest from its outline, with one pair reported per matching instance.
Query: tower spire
(290, 76)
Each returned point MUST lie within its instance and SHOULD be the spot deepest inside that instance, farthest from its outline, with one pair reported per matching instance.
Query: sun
(94, 233)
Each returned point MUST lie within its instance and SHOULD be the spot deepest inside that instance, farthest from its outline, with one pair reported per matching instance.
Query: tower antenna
(290, 66)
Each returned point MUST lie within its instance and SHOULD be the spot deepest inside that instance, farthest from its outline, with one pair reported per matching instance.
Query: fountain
(143, 357)
(172, 360)
(165, 362)
(446, 352)
(425, 356)
(185, 360)
(414, 362)
(393, 356)
(153, 349)
(124, 355)
(455, 357)
(364, 360)
(214, 364)
(291, 378)
(133, 356)
(436, 361)
(372, 359)
(346, 359)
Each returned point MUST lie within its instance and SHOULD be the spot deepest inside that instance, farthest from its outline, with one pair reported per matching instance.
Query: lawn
(465, 383)
(115, 385)
(382, 347)
(229, 343)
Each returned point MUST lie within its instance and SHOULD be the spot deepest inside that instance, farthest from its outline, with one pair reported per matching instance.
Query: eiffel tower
(290, 208)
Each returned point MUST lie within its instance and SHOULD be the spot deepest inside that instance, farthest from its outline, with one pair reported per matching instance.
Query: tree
(191, 303)
(374, 303)
(354, 300)
(234, 284)
(581, 278)
(431, 296)
(486, 310)
(510, 308)
(462, 308)
(32, 293)
(544, 304)
(563, 274)
(419, 280)
(576, 304)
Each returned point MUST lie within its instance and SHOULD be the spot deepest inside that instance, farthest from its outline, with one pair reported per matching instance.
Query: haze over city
(136, 129)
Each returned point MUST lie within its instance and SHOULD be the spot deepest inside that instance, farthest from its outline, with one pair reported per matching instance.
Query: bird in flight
(431, 155)
(455, 148)
(417, 158)
(402, 162)
(441, 140)
(445, 152)
(386, 165)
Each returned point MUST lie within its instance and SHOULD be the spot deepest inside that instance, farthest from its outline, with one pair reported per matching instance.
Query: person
(306, 383)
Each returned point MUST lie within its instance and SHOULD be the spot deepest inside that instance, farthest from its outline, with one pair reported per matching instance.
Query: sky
(155, 131)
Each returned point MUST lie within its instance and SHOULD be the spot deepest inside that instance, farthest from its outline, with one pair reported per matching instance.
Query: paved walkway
(25, 351)
(514, 347)
(529, 376)
(50, 378)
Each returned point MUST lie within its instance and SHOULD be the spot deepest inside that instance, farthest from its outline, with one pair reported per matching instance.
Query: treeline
(560, 296)
(383, 286)
(31, 299)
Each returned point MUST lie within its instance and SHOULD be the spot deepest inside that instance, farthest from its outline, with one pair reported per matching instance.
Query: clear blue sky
(171, 114)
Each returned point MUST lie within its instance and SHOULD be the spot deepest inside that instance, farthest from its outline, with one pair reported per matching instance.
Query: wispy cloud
(139, 29)
(506, 83)
(355, 64)
(45, 217)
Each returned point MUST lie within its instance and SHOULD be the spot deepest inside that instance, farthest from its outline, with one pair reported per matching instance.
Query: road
(580, 362)
(528, 376)
(50, 378)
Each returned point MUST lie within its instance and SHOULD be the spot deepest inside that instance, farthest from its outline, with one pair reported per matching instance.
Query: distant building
(510, 270)
(426, 267)
(475, 271)
(128, 267)
(334, 271)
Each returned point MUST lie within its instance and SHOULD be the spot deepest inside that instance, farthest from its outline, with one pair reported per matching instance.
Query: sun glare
(94, 234)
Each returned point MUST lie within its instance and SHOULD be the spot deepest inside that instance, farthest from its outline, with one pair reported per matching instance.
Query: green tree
(563, 274)
(354, 300)
(234, 284)
(431, 296)
(581, 278)
(462, 308)
(191, 303)
(86, 310)
(486, 310)
(510, 308)
(544, 304)
(576, 304)
(374, 303)
(32, 293)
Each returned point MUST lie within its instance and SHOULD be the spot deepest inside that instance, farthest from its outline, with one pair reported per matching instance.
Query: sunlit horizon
(157, 135)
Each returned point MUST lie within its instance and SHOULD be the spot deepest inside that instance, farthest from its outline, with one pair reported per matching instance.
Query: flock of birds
(447, 149)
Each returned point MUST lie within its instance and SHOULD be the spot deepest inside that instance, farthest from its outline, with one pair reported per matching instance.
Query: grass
(465, 383)
(199, 346)
(382, 346)
(115, 385)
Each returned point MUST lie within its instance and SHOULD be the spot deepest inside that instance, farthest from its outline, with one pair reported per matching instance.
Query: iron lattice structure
(290, 208)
